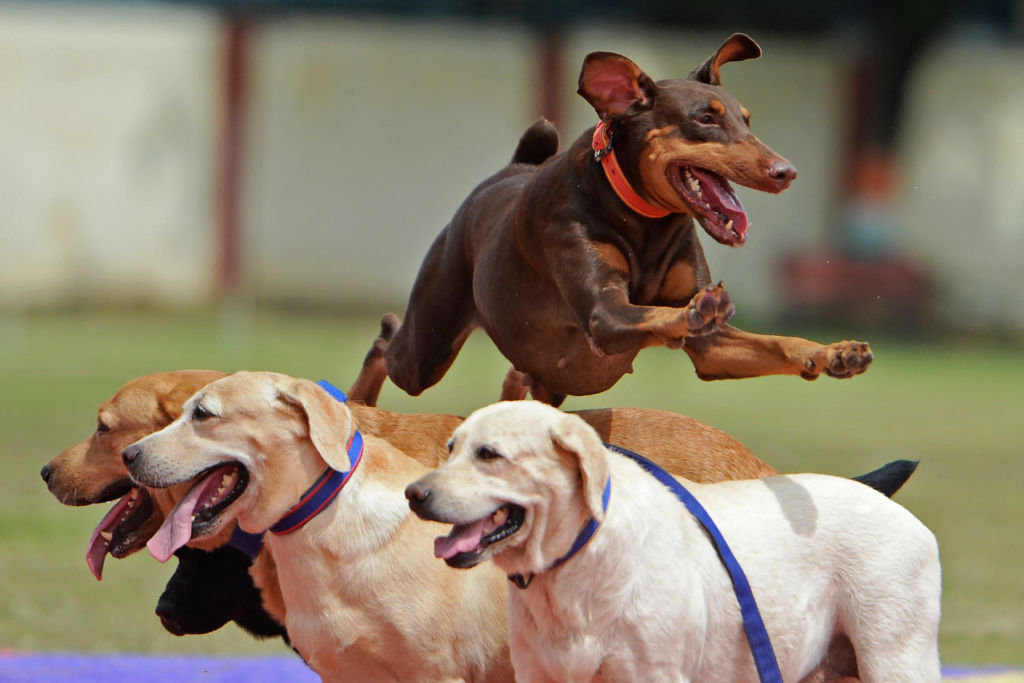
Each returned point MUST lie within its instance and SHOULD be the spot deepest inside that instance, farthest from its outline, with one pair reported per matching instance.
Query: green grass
(956, 408)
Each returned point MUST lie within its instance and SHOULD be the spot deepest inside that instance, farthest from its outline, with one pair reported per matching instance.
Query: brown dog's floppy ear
(185, 384)
(574, 436)
(615, 86)
(330, 422)
(736, 48)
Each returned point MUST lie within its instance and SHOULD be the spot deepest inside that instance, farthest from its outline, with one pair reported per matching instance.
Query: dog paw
(709, 309)
(840, 360)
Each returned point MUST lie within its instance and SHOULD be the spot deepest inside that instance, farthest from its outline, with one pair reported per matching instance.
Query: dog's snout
(46, 472)
(131, 454)
(782, 173)
(168, 612)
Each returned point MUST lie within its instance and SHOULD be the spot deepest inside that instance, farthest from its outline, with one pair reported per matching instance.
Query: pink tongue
(722, 197)
(96, 555)
(176, 530)
(463, 538)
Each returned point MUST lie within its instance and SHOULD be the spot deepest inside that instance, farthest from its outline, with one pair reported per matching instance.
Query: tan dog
(357, 600)
(91, 471)
(647, 598)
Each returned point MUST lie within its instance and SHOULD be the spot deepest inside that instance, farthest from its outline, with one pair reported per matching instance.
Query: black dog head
(209, 589)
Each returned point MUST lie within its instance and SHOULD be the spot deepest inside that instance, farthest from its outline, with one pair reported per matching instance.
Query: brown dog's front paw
(709, 308)
(840, 360)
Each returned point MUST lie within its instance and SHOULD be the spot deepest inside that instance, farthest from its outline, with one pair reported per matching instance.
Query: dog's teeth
(728, 226)
(225, 480)
(500, 516)
(107, 536)
(135, 494)
(193, 518)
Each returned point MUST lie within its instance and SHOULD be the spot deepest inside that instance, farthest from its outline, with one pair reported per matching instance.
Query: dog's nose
(782, 172)
(130, 454)
(417, 494)
(46, 472)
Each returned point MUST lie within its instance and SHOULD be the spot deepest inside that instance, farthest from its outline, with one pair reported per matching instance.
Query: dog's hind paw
(840, 360)
(709, 309)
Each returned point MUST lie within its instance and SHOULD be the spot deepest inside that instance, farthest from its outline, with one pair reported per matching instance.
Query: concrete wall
(364, 135)
(963, 206)
(106, 139)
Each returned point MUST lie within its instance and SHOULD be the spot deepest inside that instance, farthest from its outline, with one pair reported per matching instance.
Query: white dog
(647, 598)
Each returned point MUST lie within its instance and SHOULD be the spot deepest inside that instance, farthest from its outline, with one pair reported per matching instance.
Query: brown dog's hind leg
(731, 353)
(366, 388)
(517, 383)
(439, 318)
(514, 387)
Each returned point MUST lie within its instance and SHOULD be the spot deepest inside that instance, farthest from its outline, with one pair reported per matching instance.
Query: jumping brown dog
(575, 265)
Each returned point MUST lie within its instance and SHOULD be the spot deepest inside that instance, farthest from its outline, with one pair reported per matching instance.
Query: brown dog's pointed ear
(736, 48)
(615, 86)
(574, 436)
(330, 422)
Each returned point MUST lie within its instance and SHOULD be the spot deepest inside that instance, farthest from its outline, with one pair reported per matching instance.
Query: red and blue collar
(588, 531)
(317, 497)
(605, 155)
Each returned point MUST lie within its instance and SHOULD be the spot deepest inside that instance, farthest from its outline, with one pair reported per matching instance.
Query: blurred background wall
(275, 152)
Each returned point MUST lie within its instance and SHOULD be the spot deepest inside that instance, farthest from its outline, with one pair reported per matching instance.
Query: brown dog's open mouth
(463, 547)
(196, 513)
(123, 530)
(713, 201)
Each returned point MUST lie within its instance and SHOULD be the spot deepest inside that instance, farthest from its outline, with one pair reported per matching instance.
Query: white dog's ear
(330, 422)
(574, 436)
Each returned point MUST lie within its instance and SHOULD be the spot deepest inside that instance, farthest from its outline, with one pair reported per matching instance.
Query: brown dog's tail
(889, 478)
(539, 142)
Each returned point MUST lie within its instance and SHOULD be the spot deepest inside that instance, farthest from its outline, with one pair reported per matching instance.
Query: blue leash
(753, 625)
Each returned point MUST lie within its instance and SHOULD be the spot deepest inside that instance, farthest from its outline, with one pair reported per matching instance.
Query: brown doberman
(573, 262)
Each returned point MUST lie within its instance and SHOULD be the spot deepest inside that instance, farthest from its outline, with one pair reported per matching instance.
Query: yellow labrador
(362, 598)
(647, 598)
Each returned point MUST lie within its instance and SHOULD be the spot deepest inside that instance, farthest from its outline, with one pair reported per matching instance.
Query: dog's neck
(589, 529)
(604, 154)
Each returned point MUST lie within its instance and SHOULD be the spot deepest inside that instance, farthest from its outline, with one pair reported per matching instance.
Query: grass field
(957, 408)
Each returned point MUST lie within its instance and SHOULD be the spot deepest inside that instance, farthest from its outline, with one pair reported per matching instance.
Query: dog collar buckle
(602, 143)
(604, 155)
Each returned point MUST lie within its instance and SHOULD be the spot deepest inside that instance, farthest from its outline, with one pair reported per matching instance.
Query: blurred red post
(234, 92)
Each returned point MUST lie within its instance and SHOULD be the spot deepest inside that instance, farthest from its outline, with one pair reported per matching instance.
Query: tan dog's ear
(736, 48)
(330, 422)
(574, 436)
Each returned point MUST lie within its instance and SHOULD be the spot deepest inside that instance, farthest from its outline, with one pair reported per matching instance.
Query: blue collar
(588, 531)
(322, 492)
(316, 498)
(753, 625)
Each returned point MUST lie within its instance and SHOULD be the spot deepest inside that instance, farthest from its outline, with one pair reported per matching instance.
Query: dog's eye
(451, 445)
(199, 413)
(487, 453)
(706, 119)
(102, 428)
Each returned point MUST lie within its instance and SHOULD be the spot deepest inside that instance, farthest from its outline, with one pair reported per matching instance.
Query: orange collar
(603, 153)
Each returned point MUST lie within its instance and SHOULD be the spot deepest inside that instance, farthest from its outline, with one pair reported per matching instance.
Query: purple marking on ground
(20, 667)
(87, 668)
